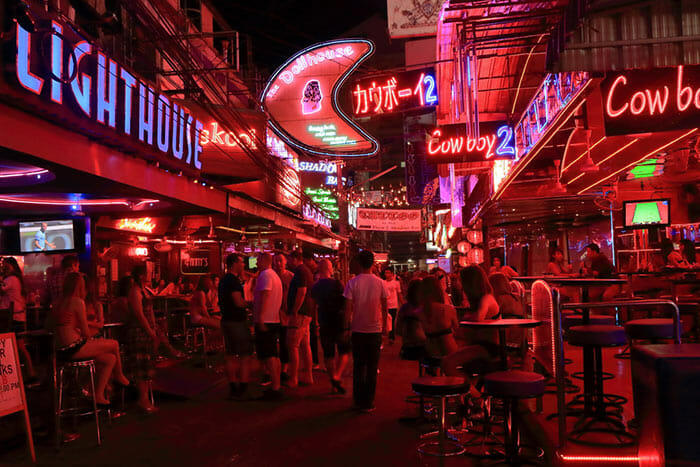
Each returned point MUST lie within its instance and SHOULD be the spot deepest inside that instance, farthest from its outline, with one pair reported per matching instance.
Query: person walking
(266, 314)
(234, 326)
(327, 293)
(394, 298)
(279, 264)
(365, 317)
(300, 312)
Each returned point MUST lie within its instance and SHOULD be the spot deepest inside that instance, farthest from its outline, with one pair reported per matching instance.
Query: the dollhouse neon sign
(98, 88)
(301, 99)
(392, 93)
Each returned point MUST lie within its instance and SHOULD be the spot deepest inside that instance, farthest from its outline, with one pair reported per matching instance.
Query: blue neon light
(505, 135)
(81, 91)
(430, 96)
(289, 139)
(26, 78)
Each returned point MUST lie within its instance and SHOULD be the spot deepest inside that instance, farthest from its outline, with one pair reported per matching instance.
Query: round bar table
(501, 325)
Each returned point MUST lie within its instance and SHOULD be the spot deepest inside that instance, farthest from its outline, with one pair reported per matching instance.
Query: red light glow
(144, 225)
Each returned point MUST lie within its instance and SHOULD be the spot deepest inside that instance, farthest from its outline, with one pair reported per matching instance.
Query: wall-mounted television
(647, 213)
(46, 236)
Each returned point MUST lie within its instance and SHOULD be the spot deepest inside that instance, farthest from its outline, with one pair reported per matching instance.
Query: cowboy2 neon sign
(394, 93)
(449, 144)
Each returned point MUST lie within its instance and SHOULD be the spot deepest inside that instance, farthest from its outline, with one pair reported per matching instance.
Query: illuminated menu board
(301, 99)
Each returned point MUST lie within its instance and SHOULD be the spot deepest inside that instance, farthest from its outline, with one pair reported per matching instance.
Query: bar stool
(593, 337)
(442, 388)
(414, 354)
(511, 386)
(77, 365)
(431, 365)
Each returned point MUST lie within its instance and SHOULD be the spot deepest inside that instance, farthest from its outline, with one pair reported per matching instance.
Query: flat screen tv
(647, 213)
(46, 236)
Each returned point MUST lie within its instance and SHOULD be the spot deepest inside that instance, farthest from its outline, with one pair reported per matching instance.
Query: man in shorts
(301, 310)
(279, 264)
(234, 326)
(266, 314)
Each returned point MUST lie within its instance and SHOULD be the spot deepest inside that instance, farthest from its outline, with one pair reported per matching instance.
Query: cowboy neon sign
(445, 144)
(79, 76)
(143, 225)
(652, 100)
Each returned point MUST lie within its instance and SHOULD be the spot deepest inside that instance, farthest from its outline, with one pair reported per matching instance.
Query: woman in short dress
(142, 339)
(74, 341)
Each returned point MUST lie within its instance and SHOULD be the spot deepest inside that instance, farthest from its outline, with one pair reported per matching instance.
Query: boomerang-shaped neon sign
(301, 98)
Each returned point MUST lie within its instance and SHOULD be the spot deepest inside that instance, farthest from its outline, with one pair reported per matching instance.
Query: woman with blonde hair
(74, 341)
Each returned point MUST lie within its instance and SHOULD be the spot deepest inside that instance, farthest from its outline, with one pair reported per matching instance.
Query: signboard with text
(391, 93)
(554, 94)
(389, 220)
(195, 261)
(12, 397)
(60, 76)
(301, 99)
(648, 101)
(451, 144)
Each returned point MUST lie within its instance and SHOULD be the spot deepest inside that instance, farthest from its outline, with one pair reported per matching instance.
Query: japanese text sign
(301, 99)
(647, 101)
(394, 93)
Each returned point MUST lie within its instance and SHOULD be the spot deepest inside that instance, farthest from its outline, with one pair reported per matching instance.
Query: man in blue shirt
(40, 242)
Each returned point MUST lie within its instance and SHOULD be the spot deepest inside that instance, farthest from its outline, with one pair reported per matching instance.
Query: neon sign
(449, 143)
(143, 225)
(395, 93)
(104, 97)
(315, 215)
(301, 98)
(553, 95)
(647, 101)
(319, 167)
(325, 199)
(213, 135)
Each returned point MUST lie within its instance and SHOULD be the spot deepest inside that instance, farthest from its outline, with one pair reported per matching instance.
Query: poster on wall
(410, 18)
(389, 220)
(420, 174)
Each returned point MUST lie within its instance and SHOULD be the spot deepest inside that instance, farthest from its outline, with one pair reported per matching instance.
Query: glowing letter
(146, 115)
(56, 62)
(104, 103)
(682, 91)
(82, 96)
(178, 128)
(163, 123)
(608, 103)
(26, 78)
(197, 147)
(656, 101)
(491, 143)
(188, 135)
(637, 109)
(361, 106)
(435, 137)
(129, 83)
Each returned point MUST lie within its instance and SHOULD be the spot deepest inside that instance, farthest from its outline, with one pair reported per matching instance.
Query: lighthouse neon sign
(80, 77)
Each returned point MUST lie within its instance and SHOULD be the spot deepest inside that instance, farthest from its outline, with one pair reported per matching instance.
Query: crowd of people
(293, 306)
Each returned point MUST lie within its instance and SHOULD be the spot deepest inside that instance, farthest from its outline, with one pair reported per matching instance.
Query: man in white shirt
(365, 316)
(266, 314)
(394, 299)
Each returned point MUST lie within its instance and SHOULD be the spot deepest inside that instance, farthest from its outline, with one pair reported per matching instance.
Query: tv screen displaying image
(650, 213)
(46, 236)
